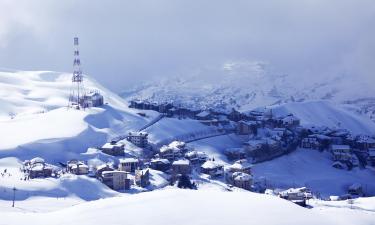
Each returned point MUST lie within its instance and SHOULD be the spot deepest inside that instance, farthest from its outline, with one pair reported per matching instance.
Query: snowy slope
(173, 206)
(36, 122)
(324, 113)
(311, 168)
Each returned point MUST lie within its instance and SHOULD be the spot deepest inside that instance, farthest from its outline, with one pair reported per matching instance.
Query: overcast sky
(126, 42)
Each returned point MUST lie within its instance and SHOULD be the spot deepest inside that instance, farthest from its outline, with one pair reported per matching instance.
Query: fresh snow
(172, 206)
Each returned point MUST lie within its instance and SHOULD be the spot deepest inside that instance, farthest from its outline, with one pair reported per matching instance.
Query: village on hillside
(264, 136)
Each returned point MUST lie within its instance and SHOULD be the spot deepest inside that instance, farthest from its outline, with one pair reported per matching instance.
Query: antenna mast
(77, 94)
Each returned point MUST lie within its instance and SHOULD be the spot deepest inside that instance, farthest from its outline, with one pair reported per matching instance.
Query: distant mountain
(248, 85)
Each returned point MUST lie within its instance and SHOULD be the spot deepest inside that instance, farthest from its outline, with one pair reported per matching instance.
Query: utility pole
(14, 195)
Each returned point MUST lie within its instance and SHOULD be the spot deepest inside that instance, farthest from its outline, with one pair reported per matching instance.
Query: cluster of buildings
(37, 168)
(347, 150)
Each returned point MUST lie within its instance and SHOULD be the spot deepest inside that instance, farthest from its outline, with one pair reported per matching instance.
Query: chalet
(93, 99)
(235, 153)
(212, 168)
(77, 167)
(142, 178)
(196, 157)
(113, 148)
(160, 164)
(117, 180)
(241, 166)
(181, 166)
(129, 164)
(262, 149)
(204, 115)
(296, 195)
(246, 127)
(102, 168)
(139, 139)
(242, 180)
(341, 153)
(174, 150)
(37, 167)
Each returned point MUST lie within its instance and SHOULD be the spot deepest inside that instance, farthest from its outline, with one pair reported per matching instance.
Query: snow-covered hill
(35, 120)
(247, 85)
(174, 206)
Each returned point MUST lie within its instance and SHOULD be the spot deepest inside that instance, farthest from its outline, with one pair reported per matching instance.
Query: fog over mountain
(124, 43)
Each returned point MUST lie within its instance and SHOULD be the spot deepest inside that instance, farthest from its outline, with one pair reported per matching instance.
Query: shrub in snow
(185, 182)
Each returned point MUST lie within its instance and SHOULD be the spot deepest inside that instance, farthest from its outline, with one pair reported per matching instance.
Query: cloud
(126, 42)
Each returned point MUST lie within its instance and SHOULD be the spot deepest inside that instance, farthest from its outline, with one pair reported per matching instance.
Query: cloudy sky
(126, 42)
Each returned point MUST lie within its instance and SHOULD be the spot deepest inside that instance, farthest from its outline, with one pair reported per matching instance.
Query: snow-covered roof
(239, 176)
(340, 147)
(365, 139)
(175, 146)
(211, 165)
(241, 165)
(138, 133)
(113, 172)
(165, 161)
(37, 160)
(248, 123)
(290, 119)
(110, 145)
(203, 114)
(181, 162)
(129, 160)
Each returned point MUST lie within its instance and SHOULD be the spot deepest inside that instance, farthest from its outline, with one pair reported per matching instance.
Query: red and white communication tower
(77, 92)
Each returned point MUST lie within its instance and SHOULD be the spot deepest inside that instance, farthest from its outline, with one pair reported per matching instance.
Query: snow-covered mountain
(247, 85)
(35, 120)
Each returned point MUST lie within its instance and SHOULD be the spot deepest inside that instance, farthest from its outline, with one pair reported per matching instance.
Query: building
(102, 168)
(160, 164)
(113, 148)
(341, 153)
(242, 166)
(93, 99)
(139, 139)
(196, 157)
(37, 168)
(77, 167)
(242, 180)
(181, 166)
(235, 153)
(174, 150)
(296, 195)
(129, 164)
(246, 127)
(212, 168)
(364, 142)
(142, 178)
(117, 180)
(290, 121)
